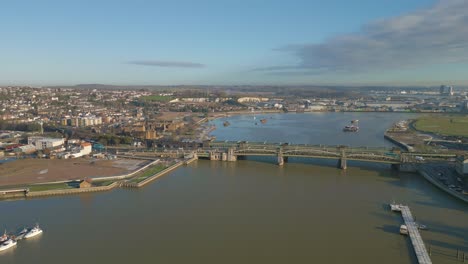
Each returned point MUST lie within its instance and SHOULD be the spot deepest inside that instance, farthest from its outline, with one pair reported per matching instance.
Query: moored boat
(22, 234)
(8, 244)
(4, 237)
(421, 226)
(395, 207)
(403, 230)
(33, 232)
(351, 128)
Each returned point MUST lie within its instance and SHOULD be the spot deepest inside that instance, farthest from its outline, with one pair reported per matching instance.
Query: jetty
(416, 239)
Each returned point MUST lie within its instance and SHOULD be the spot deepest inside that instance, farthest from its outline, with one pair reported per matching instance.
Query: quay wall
(72, 191)
(18, 193)
(398, 143)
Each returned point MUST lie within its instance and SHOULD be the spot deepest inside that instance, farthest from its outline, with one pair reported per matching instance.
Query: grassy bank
(448, 125)
(49, 187)
(148, 173)
(103, 183)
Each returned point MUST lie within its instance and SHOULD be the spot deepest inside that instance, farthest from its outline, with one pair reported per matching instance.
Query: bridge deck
(416, 239)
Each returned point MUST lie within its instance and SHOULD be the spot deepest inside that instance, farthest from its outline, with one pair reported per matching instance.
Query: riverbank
(443, 125)
(431, 176)
(100, 185)
(215, 116)
(157, 175)
(30, 171)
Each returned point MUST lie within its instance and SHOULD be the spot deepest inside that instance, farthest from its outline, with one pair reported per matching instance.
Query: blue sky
(233, 42)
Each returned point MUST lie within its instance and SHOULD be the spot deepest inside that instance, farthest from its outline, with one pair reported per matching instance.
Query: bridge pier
(280, 160)
(230, 155)
(342, 164)
(215, 156)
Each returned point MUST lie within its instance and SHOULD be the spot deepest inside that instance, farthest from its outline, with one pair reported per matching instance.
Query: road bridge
(231, 151)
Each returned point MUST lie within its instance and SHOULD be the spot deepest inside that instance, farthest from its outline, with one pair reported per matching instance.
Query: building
(85, 121)
(42, 143)
(446, 90)
(251, 99)
(462, 165)
(464, 106)
(26, 149)
(86, 183)
(86, 148)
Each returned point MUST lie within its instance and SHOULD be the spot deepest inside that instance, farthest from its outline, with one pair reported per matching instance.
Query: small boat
(4, 237)
(8, 244)
(226, 123)
(351, 128)
(395, 207)
(22, 234)
(403, 230)
(421, 226)
(33, 232)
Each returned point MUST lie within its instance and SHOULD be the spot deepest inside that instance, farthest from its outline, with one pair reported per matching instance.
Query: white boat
(395, 207)
(8, 244)
(22, 234)
(421, 226)
(403, 230)
(33, 232)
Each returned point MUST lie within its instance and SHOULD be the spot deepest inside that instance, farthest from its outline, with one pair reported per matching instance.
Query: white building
(42, 143)
(85, 149)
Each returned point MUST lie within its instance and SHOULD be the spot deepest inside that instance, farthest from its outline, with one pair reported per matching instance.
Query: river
(250, 211)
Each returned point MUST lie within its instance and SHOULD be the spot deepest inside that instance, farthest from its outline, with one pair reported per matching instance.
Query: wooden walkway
(416, 240)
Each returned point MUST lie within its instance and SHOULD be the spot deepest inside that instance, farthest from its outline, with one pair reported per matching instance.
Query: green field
(156, 98)
(48, 187)
(148, 173)
(453, 125)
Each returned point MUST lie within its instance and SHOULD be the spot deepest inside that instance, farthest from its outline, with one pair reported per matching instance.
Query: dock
(416, 239)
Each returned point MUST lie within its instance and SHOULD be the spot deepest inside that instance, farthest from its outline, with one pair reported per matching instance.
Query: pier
(416, 239)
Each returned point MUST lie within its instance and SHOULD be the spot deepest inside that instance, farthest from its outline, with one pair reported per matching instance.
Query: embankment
(72, 191)
(444, 188)
(398, 143)
(159, 174)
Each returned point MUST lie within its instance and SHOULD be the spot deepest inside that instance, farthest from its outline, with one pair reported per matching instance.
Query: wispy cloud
(173, 64)
(438, 34)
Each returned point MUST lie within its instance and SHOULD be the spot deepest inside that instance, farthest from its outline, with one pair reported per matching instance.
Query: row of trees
(28, 127)
(108, 139)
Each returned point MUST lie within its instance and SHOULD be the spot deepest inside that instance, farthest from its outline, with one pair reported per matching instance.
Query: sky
(217, 42)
